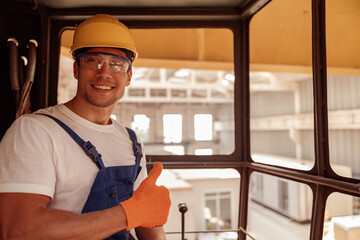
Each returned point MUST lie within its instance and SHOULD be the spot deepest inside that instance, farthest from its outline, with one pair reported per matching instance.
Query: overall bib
(112, 185)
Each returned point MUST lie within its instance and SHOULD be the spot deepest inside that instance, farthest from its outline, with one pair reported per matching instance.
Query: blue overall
(112, 185)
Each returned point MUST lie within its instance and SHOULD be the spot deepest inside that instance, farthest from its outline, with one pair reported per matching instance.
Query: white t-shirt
(38, 156)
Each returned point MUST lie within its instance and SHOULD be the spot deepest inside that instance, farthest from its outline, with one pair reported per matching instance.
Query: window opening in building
(203, 125)
(257, 186)
(217, 210)
(172, 128)
(283, 196)
(204, 151)
(141, 125)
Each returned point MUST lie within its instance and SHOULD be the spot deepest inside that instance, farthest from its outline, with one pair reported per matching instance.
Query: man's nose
(104, 70)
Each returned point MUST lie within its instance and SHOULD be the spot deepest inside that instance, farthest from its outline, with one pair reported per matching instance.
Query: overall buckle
(137, 149)
(91, 151)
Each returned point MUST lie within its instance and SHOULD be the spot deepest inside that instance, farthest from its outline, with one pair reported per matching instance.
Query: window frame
(321, 178)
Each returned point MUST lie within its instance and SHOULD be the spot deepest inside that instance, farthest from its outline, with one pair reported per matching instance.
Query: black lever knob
(182, 207)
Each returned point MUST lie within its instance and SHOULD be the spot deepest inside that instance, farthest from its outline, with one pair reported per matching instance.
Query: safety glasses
(95, 61)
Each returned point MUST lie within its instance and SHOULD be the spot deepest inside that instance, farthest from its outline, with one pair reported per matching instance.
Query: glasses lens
(119, 65)
(95, 61)
(91, 61)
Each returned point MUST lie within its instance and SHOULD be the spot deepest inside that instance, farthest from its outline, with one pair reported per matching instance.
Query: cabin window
(191, 73)
(278, 201)
(210, 206)
(281, 94)
(339, 223)
(343, 86)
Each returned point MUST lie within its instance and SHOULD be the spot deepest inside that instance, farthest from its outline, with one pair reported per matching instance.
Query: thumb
(155, 172)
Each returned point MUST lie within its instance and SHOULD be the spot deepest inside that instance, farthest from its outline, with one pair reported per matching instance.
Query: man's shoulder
(52, 110)
(33, 121)
(120, 127)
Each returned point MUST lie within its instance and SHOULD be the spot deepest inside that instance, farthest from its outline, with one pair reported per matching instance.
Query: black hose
(30, 70)
(13, 57)
(22, 64)
(24, 104)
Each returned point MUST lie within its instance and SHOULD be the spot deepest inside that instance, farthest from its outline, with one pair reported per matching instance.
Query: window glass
(275, 202)
(343, 85)
(188, 71)
(281, 99)
(342, 219)
(212, 197)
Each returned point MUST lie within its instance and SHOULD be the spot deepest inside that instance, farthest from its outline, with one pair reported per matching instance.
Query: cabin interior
(253, 106)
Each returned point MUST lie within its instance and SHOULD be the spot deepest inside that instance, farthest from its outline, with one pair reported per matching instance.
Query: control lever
(183, 209)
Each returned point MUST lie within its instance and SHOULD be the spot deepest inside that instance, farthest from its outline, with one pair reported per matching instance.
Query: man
(69, 171)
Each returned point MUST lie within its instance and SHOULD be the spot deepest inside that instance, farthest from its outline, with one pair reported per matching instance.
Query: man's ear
(76, 70)
(129, 76)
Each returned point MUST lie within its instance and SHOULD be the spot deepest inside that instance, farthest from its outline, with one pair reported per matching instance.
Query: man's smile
(102, 87)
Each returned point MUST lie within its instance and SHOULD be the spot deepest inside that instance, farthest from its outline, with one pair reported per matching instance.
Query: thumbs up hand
(149, 206)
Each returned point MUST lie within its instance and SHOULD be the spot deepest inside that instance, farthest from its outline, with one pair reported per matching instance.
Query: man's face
(101, 87)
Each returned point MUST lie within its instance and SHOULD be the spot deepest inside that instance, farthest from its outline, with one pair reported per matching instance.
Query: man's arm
(156, 233)
(26, 216)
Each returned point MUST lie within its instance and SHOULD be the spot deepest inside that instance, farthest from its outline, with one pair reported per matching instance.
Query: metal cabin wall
(19, 21)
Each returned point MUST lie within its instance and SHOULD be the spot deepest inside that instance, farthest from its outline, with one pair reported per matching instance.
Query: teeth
(102, 87)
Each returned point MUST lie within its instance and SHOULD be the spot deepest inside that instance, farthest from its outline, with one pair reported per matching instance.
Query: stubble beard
(101, 104)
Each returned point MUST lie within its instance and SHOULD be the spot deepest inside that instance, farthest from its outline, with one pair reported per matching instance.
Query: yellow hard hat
(103, 30)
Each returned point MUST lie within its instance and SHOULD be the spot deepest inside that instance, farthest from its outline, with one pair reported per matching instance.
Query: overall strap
(136, 145)
(88, 148)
